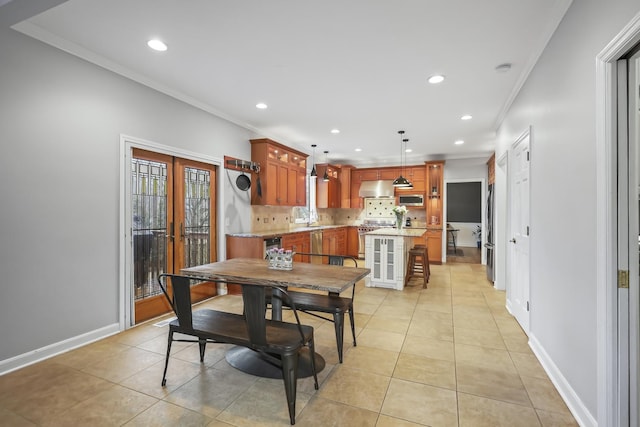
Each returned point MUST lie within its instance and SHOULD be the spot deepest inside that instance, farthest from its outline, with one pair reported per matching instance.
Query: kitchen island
(386, 252)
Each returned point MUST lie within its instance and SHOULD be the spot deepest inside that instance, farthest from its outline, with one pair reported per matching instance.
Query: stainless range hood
(381, 188)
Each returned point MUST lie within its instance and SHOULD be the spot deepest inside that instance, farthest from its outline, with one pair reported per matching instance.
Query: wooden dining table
(254, 271)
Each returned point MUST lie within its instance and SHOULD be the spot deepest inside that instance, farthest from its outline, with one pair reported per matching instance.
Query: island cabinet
(386, 261)
(334, 241)
(298, 242)
(282, 174)
(386, 255)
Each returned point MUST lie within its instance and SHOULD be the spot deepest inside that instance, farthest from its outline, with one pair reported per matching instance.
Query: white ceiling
(360, 66)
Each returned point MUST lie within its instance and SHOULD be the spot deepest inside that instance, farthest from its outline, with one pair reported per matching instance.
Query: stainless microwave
(411, 199)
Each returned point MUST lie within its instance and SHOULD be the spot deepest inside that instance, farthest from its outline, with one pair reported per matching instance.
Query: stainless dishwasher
(316, 246)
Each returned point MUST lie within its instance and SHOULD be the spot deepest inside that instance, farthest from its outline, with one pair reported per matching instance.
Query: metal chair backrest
(333, 259)
(180, 298)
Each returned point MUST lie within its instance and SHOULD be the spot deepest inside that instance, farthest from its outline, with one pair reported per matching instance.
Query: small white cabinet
(386, 256)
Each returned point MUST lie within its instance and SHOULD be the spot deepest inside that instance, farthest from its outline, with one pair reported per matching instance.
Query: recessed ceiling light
(503, 68)
(261, 105)
(459, 142)
(335, 130)
(436, 79)
(466, 117)
(358, 149)
(408, 150)
(156, 44)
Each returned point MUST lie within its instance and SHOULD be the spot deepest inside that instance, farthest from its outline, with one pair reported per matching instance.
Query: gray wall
(558, 101)
(60, 124)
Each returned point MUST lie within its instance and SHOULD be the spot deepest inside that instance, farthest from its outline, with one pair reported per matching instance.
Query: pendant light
(401, 181)
(325, 177)
(404, 167)
(313, 169)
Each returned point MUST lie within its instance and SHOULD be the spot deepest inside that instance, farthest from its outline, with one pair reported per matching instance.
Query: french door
(173, 225)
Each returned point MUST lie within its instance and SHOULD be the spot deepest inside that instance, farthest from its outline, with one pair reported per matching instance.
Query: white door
(519, 230)
(634, 288)
(628, 230)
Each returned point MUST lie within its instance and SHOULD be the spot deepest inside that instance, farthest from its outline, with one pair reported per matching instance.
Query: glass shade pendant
(325, 177)
(313, 169)
(401, 181)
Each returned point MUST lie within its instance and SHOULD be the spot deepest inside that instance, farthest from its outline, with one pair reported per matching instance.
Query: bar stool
(418, 265)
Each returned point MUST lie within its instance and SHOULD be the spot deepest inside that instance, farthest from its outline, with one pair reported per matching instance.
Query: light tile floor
(449, 355)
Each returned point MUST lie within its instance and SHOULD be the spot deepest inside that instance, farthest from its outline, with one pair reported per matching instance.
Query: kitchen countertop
(280, 232)
(404, 232)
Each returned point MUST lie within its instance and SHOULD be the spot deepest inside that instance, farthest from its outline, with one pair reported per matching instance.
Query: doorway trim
(483, 209)
(606, 218)
(125, 259)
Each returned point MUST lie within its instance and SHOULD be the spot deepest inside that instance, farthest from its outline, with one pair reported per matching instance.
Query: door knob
(513, 240)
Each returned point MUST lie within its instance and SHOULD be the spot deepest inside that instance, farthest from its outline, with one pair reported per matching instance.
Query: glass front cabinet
(385, 256)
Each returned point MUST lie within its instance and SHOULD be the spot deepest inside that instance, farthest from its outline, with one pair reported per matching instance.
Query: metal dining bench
(276, 341)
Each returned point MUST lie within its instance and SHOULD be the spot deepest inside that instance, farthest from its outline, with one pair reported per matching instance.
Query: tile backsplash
(266, 218)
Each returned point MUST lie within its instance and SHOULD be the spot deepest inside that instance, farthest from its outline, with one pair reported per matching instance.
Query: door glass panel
(197, 218)
(390, 260)
(149, 225)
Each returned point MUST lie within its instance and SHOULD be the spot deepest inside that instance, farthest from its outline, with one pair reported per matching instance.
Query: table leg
(276, 304)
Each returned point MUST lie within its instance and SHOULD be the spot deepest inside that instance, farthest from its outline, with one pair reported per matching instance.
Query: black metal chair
(332, 303)
(278, 342)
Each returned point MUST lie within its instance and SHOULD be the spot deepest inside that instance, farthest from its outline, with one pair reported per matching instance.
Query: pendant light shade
(313, 169)
(325, 177)
(410, 186)
(401, 181)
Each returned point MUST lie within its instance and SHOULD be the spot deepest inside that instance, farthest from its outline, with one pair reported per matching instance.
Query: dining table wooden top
(321, 277)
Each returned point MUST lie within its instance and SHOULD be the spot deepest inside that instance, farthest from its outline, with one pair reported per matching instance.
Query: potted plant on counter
(400, 212)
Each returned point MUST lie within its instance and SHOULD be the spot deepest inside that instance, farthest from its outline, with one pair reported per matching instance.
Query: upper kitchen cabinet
(434, 184)
(368, 174)
(374, 174)
(282, 175)
(416, 176)
(327, 192)
(345, 186)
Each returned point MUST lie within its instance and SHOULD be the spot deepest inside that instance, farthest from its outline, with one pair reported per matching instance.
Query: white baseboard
(54, 349)
(575, 405)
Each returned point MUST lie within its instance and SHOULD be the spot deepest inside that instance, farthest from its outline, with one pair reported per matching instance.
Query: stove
(366, 227)
(374, 224)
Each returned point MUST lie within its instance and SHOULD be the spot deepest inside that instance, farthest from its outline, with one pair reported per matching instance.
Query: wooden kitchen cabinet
(434, 183)
(353, 241)
(327, 192)
(344, 175)
(298, 242)
(434, 245)
(282, 174)
(356, 202)
(245, 247)
(416, 175)
(334, 241)
(374, 174)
